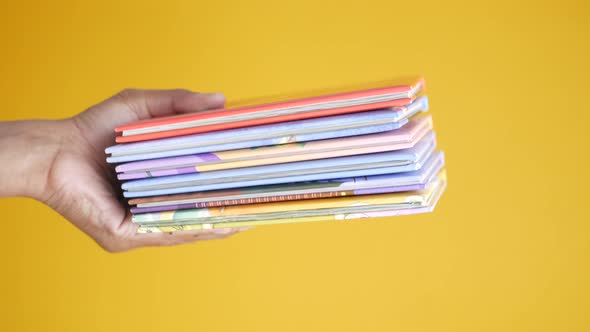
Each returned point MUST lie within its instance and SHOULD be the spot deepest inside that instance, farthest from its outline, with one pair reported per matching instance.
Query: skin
(62, 164)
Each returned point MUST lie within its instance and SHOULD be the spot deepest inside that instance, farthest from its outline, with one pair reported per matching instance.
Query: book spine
(272, 199)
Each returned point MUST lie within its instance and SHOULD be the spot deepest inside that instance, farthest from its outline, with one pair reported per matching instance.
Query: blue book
(323, 169)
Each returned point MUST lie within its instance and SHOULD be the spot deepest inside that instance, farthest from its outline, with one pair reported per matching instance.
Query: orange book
(299, 109)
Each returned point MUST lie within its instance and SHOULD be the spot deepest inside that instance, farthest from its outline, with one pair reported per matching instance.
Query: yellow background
(506, 250)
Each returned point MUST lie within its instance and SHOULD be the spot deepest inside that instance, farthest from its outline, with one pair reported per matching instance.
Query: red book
(299, 109)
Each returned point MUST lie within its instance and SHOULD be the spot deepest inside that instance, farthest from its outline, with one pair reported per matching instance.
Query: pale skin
(62, 164)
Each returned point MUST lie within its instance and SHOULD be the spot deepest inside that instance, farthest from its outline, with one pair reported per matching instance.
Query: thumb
(155, 103)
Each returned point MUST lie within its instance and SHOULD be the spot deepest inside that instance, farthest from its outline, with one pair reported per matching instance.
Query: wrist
(28, 149)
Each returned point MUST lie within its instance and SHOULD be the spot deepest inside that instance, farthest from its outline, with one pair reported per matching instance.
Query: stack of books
(359, 154)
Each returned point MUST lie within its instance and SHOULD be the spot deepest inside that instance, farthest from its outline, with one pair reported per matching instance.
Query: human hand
(70, 174)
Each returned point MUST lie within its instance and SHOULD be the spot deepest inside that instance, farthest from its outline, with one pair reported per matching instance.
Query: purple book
(379, 184)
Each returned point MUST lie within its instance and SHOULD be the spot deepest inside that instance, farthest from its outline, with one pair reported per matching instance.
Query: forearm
(27, 150)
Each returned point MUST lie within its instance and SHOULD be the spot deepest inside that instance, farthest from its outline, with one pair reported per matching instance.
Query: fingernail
(216, 96)
(222, 230)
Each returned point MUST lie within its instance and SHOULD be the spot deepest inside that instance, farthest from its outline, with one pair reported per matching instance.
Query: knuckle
(126, 93)
(126, 96)
(111, 232)
(181, 91)
(114, 241)
(111, 246)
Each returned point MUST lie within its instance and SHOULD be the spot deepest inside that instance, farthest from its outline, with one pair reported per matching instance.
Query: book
(325, 210)
(364, 185)
(298, 109)
(403, 138)
(264, 135)
(332, 168)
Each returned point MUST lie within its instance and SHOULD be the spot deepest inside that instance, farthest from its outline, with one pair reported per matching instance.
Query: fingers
(154, 103)
(182, 237)
(125, 237)
(192, 102)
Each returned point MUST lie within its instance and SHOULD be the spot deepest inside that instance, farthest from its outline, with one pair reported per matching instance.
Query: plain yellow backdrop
(506, 250)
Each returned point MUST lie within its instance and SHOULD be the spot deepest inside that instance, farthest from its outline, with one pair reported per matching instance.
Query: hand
(70, 173)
